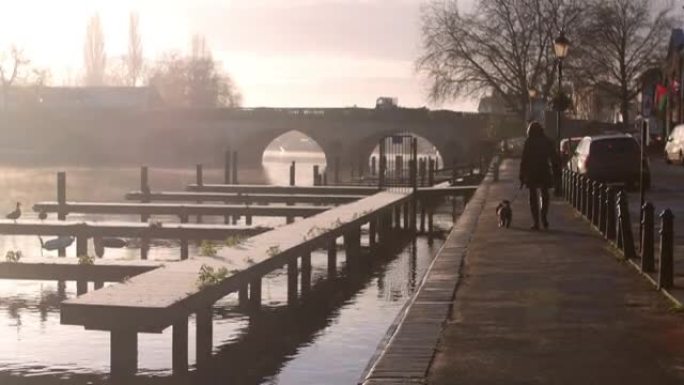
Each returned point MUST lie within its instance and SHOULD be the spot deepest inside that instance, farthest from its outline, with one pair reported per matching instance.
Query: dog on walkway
(504, 213)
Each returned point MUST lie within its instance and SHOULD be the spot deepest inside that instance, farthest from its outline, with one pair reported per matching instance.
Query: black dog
(505, 213)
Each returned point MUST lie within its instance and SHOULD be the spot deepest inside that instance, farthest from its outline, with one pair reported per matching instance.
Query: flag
(661, 97)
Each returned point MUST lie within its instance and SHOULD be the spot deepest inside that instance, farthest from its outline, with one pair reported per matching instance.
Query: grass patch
(86, 260)
(13, 256)
(208, 276)
(208, 249)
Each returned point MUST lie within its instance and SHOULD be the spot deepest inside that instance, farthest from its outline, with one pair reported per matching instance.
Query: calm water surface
(327, 340)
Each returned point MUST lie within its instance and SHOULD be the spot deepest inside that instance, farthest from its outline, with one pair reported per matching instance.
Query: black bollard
(292, 173)
(602, 209)
(576, 194)
(590, 200)
(596, 204)
(373, 160)
(610, 214)
(666, 267)
(647, 261)
(626, 238)
(431, 172)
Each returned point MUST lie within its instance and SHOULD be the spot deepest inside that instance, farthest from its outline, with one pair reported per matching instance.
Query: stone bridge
(168, 137)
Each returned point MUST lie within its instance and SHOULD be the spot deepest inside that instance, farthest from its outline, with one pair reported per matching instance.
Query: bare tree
(95, 58)
(194, 81)
(134, 60)
(504, 46)
(10, 71)
(618, 40)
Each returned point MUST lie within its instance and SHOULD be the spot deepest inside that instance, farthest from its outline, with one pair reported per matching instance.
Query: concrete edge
(459, 236)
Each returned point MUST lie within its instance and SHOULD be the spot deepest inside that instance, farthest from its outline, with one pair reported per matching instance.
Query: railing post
(590, 200)
(610, 214)
(576, 191)
(596, 203)
(647, 262)
(602, 209)
(666, 268)
(626, 237)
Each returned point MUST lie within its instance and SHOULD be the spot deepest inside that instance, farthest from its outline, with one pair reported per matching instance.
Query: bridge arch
(292, 145)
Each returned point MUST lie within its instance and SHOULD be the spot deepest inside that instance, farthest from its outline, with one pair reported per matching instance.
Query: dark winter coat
(539, 162)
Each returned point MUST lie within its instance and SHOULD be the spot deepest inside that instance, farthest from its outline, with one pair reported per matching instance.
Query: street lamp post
(560, 45)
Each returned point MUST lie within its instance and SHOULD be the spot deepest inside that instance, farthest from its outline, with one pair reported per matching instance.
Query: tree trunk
(624, 110)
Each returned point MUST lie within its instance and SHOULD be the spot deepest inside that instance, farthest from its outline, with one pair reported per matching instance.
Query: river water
(328, 340)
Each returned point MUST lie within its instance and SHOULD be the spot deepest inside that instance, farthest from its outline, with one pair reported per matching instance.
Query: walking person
(538, 165)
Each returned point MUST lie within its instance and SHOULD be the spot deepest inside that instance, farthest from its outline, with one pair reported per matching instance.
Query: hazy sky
(280, 52)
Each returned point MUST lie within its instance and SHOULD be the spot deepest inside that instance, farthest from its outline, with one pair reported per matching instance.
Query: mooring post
(306, 272)
(81, 287)
(144, 190)
(647, 238)
(255, 293)
(431, 172)
(292, 173)
(243, 296)
(666, 263)
(235, 167)
(179, 346)
(292, 281)
(61, 201)
(123, 353)
(397, 217)
(337, 170)
(204, 336)
(184, 241)
(352, 239)
(372, 232)
(373, 160)
(422, 215)
(406, 215)
(226, 167)
(199, 174)
(226, 177)
(332, 258)
(316, 176)
(81, 251)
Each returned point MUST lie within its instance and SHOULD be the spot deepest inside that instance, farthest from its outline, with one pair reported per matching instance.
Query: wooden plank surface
(150, 301)
(126, 229)
(186, 196)
(104, 270)
(177, 209)
(261, 189)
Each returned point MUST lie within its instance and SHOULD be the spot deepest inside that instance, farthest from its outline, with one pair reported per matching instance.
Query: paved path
(553, 307)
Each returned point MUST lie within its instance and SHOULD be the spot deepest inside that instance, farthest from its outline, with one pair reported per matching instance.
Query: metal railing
(606, 208)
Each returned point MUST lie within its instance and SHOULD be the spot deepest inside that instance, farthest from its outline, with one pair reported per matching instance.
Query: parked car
(674, 147)
(611, 159)
(567, 148)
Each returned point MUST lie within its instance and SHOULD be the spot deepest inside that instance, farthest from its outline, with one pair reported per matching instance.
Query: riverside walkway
(515, 306)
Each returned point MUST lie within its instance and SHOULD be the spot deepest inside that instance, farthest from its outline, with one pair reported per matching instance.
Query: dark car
(610, 159)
